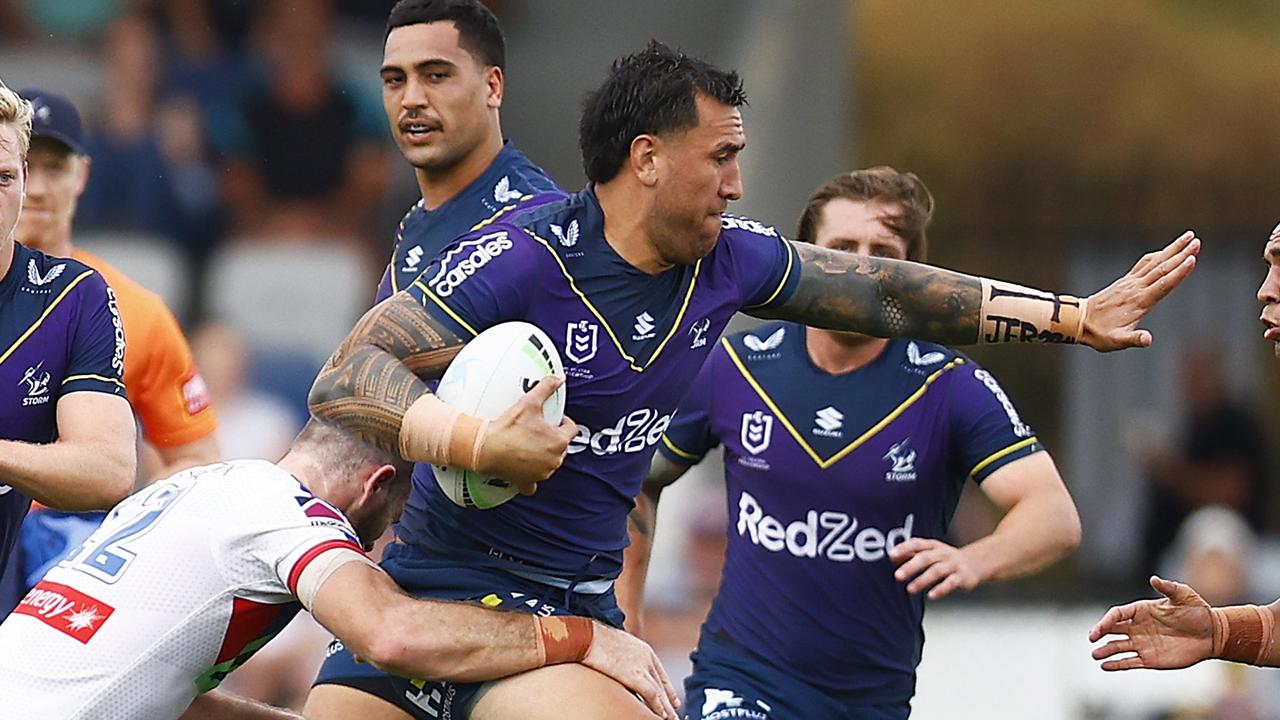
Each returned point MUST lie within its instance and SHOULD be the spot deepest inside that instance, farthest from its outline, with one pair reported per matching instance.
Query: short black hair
(648, 93)
(478, 30)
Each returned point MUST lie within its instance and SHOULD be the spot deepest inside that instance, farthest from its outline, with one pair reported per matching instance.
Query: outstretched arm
(1181, 629)
(373, 386)
(892, 298)
(629, 586)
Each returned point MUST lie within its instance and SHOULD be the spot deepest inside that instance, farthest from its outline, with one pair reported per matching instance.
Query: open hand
(1112, 314)
(631, 662)
(1174, 631)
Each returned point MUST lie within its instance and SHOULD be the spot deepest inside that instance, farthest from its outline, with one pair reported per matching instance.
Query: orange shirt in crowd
(160, 375)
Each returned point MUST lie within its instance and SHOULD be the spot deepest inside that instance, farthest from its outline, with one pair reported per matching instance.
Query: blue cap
(55, 118)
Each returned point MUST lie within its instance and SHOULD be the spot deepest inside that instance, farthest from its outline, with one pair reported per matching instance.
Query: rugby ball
(488, 376)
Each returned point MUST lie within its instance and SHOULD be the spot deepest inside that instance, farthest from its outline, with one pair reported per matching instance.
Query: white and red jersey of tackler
(183, 582)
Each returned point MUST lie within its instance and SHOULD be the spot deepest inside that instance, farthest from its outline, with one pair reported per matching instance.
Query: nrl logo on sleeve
(466, 259)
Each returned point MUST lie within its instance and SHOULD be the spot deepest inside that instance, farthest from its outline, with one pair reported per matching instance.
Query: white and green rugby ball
(489, 375)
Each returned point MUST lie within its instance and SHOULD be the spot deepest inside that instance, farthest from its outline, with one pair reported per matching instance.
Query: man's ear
(379, 480)
(644, 158)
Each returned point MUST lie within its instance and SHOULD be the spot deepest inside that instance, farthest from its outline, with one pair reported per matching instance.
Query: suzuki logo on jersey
(634, 432)
(830, 534)
(37, 382)
(471, 256)
(412, 258)
(504, 193)
(903, 461)
(828, 422)
(698, 333)
(929, 358)
(757, 431)
(65, 609)
(34, 276)
(580, 341)
(1019, 428)
(737, 222)
(644, 327)
(566, 238)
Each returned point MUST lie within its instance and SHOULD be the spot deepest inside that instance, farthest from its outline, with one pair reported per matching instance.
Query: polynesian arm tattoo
(895, 298)
(378, 370)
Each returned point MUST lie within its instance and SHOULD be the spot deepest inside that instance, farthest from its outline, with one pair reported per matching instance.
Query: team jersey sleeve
(98, 341)
(384, 285)
(986, 427)
(171, 398)
(481, 279)
(690, 437)
(282, 546)
(765, 263)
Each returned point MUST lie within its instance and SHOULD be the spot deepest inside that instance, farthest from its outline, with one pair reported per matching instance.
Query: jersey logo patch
(644, 327)
(412, 258)
(467, 259)
(929, 358)
(567, 238)
(37, 382)
(65, 609)
(757, 431)
(195, 393)
(581, 340)
(698, 333)
(828, 422)
(33, 273)
(755, 344)
(720, 704)
(903, 460)
(503, 193)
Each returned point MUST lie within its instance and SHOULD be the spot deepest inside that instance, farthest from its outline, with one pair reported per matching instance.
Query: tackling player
(66, 431)
(165, 388)
(633, 278)
(188, 578)
(1181, 629)
(846, 454)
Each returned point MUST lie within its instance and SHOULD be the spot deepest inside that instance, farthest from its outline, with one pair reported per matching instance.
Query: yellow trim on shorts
(857, 442)
(34, 326)
(1001, 453)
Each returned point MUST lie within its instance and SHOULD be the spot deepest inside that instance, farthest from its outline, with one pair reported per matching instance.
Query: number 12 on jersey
(106, 555)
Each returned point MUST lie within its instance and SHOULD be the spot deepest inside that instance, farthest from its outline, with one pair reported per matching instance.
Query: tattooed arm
(629, 586)
(377, 372)
(892, 298)
(375, 378)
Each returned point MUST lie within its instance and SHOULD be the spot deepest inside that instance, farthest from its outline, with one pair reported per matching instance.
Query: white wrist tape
(321, 567)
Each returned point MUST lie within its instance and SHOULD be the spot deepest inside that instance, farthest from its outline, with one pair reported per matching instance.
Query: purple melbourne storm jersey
(59, 333)
(631, 344)
(510, 178)
(824, 474)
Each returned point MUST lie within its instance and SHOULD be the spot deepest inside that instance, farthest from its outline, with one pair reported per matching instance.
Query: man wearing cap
(165, 388)
(66, 433)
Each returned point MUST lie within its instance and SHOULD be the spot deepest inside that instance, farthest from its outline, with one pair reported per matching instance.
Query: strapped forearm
(375, 376)
(1245, 634)
(896, 298)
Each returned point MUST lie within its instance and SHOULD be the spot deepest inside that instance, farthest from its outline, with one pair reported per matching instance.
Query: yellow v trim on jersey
(418, 284)
(684, 306)
(1001, 453)
(93, 377)
(791, 261)
(477, 226)
(34, 326)
(857, 442)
